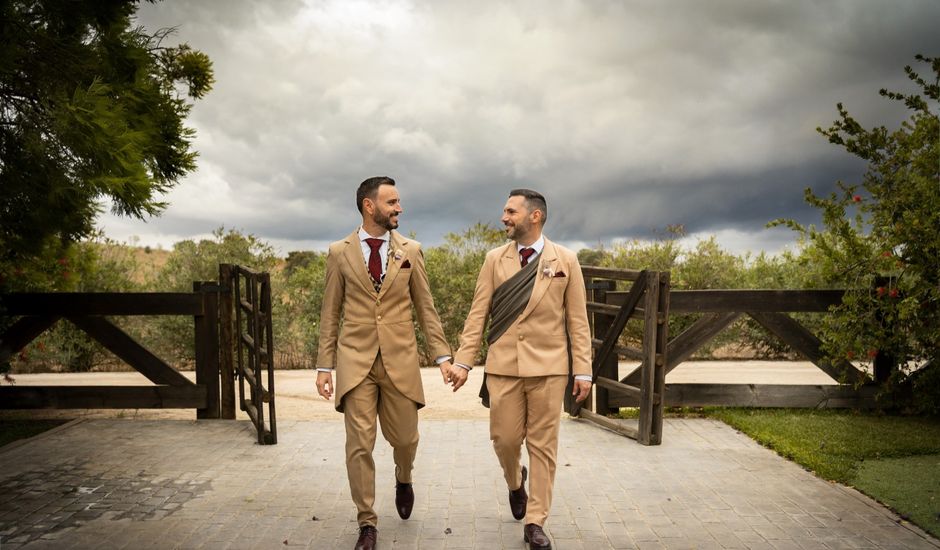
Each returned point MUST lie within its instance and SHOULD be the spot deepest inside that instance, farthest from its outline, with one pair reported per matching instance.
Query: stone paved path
(184, 484)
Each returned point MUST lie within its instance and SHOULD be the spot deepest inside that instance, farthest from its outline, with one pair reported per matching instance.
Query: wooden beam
(701, 301)
(763, 395)
(102, 397)
(590, 271)
(129, 351)
(226, 342)
(792, 333)
(648, 373)
(618, 387)
(611, 424)
(22, 332)
(206, 329)
(613, 332)
(70, 304)
(632, 353)
(687, 343)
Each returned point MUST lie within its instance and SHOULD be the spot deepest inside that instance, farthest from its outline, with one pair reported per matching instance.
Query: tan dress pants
(398, 416)
(527, 409)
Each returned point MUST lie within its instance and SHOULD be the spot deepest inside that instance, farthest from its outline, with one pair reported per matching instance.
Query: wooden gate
(254, 344)
(647, 301)
(38, 312)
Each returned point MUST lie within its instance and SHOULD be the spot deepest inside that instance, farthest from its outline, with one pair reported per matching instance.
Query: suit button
(521, 337)
(378, 302)
(378, 317)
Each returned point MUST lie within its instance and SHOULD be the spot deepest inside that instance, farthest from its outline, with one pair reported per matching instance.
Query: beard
(384, 220)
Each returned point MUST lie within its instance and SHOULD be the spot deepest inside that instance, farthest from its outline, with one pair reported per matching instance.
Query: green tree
(453, 268)
(91, 108)
(199, 261)
(880, 239)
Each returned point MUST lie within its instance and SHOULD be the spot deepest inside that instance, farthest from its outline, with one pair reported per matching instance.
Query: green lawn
(894, 459)
(14, 429)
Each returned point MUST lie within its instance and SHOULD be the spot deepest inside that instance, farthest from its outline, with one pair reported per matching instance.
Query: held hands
(453, 375)
(581, 390)
(325, 384)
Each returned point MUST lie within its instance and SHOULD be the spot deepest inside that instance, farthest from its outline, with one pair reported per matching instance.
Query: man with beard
(374, 277)
(533, 293)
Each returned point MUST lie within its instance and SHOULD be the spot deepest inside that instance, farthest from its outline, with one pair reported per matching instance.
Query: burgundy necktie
(375, 260)
(526, 253)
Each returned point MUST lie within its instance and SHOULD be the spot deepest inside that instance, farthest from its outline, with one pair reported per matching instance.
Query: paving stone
(206, 484)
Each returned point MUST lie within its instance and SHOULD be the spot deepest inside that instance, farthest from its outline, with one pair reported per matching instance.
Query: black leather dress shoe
(404, 499)
(368, 538)
(536, 538)
(519, 498)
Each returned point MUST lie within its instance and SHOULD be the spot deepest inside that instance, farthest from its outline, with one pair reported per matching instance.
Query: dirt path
(297, 398)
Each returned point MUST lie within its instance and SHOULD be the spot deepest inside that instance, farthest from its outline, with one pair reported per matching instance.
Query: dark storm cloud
(627, 115)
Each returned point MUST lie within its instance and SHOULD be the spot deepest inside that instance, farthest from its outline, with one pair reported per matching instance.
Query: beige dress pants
(527, 409)
(398, 416)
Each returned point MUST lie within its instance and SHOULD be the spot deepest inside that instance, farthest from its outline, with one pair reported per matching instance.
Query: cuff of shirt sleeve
(443, 359)
(324, 369)
(584, 377)
(464, 367)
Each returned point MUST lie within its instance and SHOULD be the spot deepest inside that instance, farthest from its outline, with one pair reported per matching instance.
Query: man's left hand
(581, 390)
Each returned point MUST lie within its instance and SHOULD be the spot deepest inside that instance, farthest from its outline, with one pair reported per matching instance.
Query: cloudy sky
(627, 115)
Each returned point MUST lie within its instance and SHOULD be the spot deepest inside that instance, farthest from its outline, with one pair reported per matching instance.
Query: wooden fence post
(648, 373)
(207, 350)
(610, 368)
(662, 340)
(226, 341)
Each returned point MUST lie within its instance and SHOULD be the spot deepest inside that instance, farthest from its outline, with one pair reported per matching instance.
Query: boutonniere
(548, 271)
(398, 255)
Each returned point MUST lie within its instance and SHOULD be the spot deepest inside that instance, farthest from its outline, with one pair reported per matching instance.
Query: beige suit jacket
(536, 344)
(374, 322)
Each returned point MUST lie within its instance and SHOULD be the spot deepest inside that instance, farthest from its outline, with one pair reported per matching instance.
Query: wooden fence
(651, 291)
(771, 309)
(240, 304)
(38, 312)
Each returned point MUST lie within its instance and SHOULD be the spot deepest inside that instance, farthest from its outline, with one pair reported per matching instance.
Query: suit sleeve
(333, 292)
(424, 306)
(471, 339)
(576, 320)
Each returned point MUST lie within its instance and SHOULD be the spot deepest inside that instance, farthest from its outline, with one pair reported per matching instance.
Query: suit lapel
(548, 258)
(396, 245)
(357, 262)
(509, 263)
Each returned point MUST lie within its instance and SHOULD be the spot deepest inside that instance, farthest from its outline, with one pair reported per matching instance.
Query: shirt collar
(363, 235)
(537, 245)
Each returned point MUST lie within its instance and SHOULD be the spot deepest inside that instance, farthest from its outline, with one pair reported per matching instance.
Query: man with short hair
(373, 278)
(533, 293)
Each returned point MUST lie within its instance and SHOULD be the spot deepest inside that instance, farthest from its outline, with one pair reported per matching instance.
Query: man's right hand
(325, 384)
(458, 377)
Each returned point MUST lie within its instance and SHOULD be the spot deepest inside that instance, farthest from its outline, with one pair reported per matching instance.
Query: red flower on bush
(872, 353)
(886, 254)
(66, 274)
(857, 198)
(63, 261)
(880, 291)
(894, 293)
(850, 355)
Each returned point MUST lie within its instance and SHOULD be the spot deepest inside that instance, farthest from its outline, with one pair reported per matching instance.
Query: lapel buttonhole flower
(548, 271)
(398, 255)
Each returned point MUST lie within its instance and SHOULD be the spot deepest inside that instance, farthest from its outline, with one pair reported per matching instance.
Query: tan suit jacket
(374, 322)
(536, 344)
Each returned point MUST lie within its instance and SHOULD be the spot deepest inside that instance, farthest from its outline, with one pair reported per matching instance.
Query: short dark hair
(370, 188)
(533, 201)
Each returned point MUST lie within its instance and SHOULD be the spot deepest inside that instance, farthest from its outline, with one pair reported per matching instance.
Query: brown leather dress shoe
(368, 538)
(404, 499)
(519, 498)
(536, 538)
